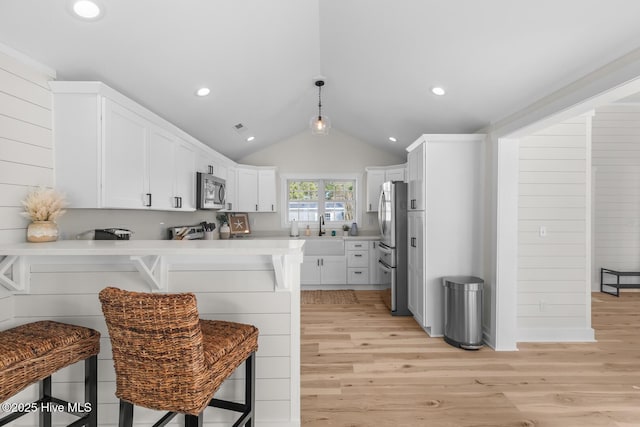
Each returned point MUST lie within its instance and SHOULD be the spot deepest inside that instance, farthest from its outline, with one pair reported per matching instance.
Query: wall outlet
(542, 231)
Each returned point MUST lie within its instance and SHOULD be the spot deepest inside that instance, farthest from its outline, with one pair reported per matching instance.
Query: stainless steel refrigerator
(392, 250)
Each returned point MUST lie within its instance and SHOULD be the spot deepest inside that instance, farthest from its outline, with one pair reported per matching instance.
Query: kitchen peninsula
(249, 281)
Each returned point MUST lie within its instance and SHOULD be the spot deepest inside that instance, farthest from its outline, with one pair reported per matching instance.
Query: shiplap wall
(25, 149)
(616, 181)
(67, 291)
(554, 192)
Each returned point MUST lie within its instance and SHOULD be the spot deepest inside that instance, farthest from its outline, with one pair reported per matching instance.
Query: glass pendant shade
(320, 125)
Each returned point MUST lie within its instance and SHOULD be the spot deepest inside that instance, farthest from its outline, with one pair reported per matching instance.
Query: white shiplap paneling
(25, 150)
(26, 157)
(554, 194)
(616, 167)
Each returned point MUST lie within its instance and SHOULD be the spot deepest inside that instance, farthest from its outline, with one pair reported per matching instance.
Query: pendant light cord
(319, 102)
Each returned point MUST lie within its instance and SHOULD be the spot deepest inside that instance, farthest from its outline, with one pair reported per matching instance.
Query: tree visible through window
(334, 199)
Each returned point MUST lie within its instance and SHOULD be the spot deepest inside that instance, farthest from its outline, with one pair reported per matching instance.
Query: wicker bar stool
(166, 358)
(33, 352)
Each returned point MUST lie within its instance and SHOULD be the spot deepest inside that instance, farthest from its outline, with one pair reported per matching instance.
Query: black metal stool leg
(193, 420)
(44, 414)
(250, 388)
(126, 414)
(91, 388)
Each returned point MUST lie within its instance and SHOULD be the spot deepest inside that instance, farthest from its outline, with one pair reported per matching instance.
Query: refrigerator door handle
(381, 213)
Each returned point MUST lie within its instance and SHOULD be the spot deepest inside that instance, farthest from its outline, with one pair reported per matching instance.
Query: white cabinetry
(231, 193)
(206, 163)
(376, 175)
(112, 153)
(416, 160)
(357, 262)
(125, 163)
(256, 189)
(416, 266)
(445, 223)
(323, 270)
(374, 271)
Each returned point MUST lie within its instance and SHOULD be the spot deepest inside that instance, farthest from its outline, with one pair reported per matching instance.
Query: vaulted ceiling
(380, 58)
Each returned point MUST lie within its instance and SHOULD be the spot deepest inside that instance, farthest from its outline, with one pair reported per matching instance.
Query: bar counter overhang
(250, 281)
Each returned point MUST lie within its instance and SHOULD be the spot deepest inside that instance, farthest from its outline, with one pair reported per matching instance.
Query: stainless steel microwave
(210, 192)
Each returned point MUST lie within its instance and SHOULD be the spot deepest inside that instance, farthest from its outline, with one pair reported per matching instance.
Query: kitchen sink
(323, 246)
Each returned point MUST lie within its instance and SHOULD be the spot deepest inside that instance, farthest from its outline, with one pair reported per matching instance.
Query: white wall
(554, 192)
(333, 153)
(25, 147)
(616, 172)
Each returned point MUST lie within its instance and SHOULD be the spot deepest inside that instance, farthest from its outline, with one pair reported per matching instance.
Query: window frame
(284, 196)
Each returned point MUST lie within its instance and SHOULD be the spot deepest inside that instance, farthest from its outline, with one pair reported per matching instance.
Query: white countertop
(264, 246)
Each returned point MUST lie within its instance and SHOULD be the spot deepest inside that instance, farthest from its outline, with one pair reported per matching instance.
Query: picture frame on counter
(239, 223)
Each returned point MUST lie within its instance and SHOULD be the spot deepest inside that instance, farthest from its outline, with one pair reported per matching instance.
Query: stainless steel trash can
(463, 311)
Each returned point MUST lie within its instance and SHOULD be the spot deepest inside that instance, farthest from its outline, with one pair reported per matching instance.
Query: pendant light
(320, 124)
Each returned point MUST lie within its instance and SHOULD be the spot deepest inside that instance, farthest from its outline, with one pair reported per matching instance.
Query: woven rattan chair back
(158, 351)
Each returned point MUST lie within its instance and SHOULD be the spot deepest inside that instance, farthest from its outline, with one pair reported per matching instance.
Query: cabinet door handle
(413, 242)
(180, 200)
(357, 272)
(318, 262)
(148, 199)
(210, 170)
(256, 208)
(358, 255)
(272, 209)
(229, 206)
(369, 206)
(322, 261)
(357, 246)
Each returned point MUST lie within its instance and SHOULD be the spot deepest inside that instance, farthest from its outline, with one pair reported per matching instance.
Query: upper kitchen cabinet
(416, 162)
(256, 189)
(112, 153)
(207, 163)
(376, 175)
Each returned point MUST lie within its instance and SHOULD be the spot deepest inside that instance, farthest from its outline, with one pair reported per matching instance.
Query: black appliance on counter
(112, 234)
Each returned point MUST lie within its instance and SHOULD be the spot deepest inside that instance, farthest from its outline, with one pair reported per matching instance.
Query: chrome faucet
(320, 232)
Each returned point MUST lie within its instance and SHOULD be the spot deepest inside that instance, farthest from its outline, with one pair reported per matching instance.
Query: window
(334, 199)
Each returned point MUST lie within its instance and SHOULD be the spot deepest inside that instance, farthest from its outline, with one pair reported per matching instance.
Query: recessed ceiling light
(437, 91)
(392, 139)
(251, 138)
(203, 91)
(86, 9)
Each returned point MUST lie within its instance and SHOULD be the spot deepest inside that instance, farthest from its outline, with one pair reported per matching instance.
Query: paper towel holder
(294, 232)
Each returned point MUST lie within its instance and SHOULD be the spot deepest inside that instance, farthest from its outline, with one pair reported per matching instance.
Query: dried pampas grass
(44, 204)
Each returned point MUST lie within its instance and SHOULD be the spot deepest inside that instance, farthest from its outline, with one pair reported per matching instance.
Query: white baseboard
(556, 335)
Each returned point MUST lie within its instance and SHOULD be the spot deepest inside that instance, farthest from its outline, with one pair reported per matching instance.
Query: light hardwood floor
(362, 367)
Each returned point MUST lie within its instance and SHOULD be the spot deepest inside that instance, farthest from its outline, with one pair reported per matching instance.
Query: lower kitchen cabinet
(323, 270)
(374, 271)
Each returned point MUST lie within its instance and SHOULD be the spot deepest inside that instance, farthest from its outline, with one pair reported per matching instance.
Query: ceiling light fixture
(86, 9)
(251, 138)
(320, 124)
(392, 139)
(438, 91)
(203, 91)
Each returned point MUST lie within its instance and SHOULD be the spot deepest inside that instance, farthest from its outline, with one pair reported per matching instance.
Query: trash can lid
(462, 281)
